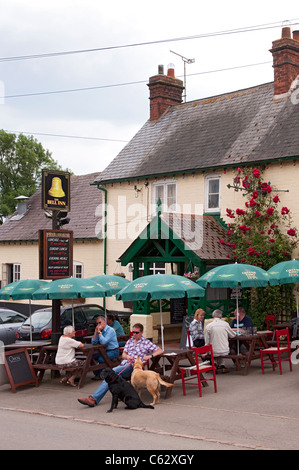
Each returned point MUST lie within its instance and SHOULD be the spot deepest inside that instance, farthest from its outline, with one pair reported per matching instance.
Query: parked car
(41, 321)
(10, 322)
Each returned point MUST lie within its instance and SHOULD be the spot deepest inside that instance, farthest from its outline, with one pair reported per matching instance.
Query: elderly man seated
(217, 333)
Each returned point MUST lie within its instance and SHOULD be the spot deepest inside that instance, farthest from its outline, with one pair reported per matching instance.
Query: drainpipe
(105, 225)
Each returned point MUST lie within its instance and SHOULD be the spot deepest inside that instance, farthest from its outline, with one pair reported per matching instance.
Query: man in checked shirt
(136, 346)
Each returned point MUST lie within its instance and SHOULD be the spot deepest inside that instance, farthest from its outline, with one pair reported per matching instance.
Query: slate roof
(84, 200)
(201, 234)
(246, 126)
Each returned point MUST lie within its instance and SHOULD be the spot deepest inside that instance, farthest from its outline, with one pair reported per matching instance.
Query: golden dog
(147, 379)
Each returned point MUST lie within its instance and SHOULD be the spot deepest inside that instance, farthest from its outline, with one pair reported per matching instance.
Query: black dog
(123, 390)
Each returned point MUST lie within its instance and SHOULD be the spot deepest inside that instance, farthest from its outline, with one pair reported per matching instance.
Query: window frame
(77, 264)
(207, 194)
(165, 185)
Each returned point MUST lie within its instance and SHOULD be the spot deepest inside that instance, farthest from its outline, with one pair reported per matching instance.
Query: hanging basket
(192, 276)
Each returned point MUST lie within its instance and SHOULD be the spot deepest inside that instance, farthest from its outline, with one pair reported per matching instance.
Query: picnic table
(253, 343)
(33, 347)
(47, 353)
(87, 339)
(172, 360)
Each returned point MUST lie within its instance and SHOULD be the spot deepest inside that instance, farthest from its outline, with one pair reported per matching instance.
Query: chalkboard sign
(19, 368)
(56, 254)
(177, 310)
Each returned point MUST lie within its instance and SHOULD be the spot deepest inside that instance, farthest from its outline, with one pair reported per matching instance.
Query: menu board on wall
(56, 254)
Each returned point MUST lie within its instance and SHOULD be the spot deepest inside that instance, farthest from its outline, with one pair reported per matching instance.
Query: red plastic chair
(197, 370)
(270, 318)
(277, 350)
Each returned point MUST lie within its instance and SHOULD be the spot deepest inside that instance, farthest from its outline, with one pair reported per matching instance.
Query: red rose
(285, 210)
(270, 211)
(255, 194)
(291, 232)
(256, 173)
(257, 213)
(240, 212)
(276, 199)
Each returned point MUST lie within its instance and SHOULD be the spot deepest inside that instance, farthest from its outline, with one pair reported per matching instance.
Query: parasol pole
(162, 333)
(30, 321)
(297, 301)
(238, 345)
(73, 317)
(30, 337)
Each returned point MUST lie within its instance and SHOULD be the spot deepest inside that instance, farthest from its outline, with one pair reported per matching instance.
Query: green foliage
(125, 323)
(22, 160)
(262, 234)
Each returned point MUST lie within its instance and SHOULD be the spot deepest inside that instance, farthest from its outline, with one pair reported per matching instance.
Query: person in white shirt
(65, 356)
(217, 333)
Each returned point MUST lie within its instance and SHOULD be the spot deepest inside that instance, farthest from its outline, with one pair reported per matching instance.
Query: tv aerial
(186, 61)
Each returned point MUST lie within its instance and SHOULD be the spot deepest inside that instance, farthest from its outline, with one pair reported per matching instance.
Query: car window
(67, 317)
(39, 319)
(92, 312)
(11, 317)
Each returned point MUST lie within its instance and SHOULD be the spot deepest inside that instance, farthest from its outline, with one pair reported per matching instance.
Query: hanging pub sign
(56, 254)
(56, 190)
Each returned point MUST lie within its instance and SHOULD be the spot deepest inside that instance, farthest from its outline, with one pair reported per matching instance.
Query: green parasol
(235, 276)
(158, 287)
(21, 290)
(111, 282)
(286, 272)
(70, 288)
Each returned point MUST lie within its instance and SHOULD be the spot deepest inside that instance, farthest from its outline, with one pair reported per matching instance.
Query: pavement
(253, 412)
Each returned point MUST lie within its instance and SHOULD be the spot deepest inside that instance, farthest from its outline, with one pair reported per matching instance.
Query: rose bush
(262, 234)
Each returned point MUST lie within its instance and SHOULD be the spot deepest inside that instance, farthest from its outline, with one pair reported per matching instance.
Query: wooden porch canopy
(179, 239)
(186, 240)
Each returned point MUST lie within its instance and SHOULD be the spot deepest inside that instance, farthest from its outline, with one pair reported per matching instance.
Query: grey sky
(117, 112)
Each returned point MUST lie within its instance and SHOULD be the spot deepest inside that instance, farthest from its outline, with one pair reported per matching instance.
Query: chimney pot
(165, 91)
(285, 52)
(286, 32)
(296, 35)
(170, 70)
(161, 69)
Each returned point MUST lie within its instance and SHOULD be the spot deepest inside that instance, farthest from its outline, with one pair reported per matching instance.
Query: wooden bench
(44, 367)
(45, 361)
(237, 358)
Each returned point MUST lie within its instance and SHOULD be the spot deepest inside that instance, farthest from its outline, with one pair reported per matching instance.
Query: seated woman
(196, 328)
(65, 356)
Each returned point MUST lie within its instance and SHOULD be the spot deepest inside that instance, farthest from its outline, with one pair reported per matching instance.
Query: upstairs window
(77, 269)
(166, 191)
(212, 194)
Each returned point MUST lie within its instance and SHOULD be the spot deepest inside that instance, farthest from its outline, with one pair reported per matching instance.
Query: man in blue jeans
(104, 334)
(137, 346)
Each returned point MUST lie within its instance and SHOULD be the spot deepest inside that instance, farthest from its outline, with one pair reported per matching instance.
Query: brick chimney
(285, 53)
(165, 90)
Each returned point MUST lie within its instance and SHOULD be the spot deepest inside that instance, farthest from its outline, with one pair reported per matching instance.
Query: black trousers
(198, 343)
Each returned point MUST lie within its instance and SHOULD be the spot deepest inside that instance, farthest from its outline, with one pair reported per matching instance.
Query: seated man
(217, 333)
(116, 326)
(245, 322)
(135, 346)
(104, 334)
